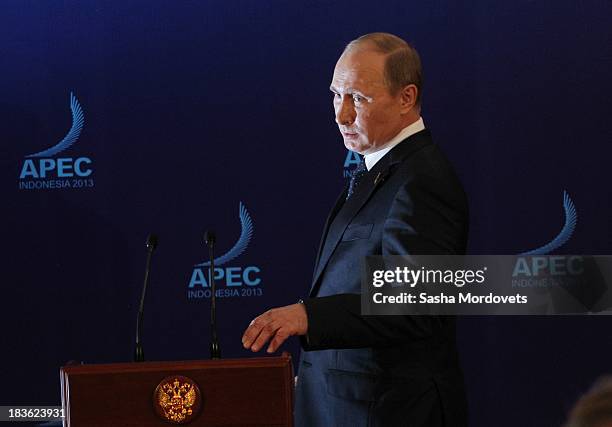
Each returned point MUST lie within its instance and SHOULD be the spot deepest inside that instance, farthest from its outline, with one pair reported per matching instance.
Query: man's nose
(345, 113)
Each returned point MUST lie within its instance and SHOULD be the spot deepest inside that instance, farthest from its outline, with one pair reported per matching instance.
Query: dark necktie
(357, 174)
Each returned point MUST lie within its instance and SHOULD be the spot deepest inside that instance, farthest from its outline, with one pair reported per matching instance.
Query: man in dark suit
(404, 198)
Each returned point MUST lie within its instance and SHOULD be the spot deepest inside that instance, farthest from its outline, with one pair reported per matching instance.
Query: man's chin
(355, 146)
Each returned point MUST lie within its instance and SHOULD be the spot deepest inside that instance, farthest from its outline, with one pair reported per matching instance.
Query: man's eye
(358, 98)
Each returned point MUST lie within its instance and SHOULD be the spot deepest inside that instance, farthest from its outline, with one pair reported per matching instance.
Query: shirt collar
(372, 158)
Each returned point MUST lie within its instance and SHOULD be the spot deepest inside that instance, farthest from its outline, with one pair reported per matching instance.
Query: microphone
(215, 350)
(151, 244)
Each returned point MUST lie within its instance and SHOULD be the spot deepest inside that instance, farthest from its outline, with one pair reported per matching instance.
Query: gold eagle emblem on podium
(177, 399)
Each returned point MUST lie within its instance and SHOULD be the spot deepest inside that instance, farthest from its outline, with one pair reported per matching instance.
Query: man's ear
(408, 97)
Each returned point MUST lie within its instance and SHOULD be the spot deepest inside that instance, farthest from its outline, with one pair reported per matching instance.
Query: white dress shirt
(372, 158)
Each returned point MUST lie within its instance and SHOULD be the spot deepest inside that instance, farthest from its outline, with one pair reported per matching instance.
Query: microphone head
(209, 237)
(151, 242)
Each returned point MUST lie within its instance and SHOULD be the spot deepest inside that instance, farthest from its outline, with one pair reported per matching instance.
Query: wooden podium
(225, 392)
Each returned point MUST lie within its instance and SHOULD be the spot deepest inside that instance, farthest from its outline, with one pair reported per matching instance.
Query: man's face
(368, 116)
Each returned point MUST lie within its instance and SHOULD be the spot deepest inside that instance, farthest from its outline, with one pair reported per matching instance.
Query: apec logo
(44, 170)
(230, 281)
(548, 266)
(351, 161)
(535, 269)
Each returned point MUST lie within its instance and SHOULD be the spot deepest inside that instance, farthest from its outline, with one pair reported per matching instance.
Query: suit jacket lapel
(338, 222)
(328, 221)
(342, 214)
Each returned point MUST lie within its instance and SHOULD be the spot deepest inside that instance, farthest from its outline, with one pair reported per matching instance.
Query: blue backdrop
(191, 108)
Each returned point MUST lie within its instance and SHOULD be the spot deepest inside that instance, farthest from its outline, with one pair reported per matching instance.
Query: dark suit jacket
(384, 370)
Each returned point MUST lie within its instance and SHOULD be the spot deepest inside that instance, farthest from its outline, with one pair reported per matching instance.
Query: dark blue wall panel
(193, 107)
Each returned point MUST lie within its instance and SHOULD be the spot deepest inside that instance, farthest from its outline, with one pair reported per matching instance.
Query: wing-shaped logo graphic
(243, 241)
(78, 120)
(566, 232)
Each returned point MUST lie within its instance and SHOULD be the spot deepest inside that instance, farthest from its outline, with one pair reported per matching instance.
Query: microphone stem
(139, 353)
(215, 352)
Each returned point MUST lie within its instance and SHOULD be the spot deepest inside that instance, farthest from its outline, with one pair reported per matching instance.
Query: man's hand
(277, 324)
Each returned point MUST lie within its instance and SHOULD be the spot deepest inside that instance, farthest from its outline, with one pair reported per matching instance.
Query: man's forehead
(363, 67)
(355, 78)
(363, 56)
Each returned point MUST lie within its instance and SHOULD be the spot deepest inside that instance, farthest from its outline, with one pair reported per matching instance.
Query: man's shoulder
(425, 169)
(416, 144)
(419, 157)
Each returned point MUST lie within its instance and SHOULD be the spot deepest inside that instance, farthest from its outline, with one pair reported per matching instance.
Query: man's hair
(594, 409)
(402, 64)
